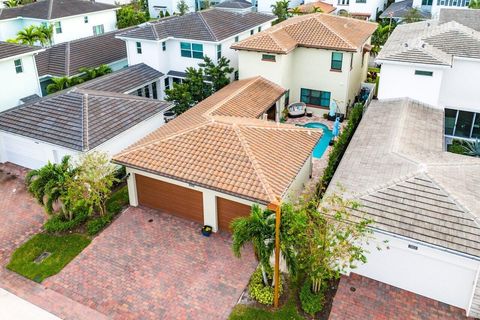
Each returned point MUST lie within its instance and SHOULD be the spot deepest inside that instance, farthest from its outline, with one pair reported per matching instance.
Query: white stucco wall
(370, 7)
(298, 185)
(15, 86)
(265, 6)
(73, 27)
(428, 271)
(398, 80)
(154, 6)
(459, 89)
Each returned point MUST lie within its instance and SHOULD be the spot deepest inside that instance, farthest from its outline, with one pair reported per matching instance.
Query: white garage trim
(424, 269)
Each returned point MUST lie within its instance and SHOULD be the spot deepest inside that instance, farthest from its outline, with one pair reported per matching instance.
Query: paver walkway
(163, 269)
(361, 298)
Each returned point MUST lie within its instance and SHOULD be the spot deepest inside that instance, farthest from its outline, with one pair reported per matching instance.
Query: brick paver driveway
(160, 269)
(361, 298)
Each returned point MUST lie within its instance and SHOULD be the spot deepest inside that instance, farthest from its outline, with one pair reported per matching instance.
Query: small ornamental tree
(280, 9)
(180, 95)
(218, 74)
(412, 15)
(130, 15)
(474, 4)
(182, 7)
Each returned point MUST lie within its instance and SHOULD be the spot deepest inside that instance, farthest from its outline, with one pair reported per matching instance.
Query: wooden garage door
(179, 201)
(227, 210)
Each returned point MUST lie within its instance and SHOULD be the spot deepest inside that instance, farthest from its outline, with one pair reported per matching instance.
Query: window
(268, 57)
(219, 51)
(259, 28)
(58, 27)
(235, 75)
(85, 19)
(177, 80)
(236, 39)
(315, 97)
(167, 83)
(191, 50)
(361, 1)
(154, 90)
(464, 124)
(139, 47)
(337, 58)
(427, 2)
(18, 66)
(146, 89)
(287, 98)
(164, 45)
(423, 73)
(98, 29)
(251, 32)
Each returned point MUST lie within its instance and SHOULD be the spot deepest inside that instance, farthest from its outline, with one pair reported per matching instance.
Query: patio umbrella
(336, 128)
(333, 109)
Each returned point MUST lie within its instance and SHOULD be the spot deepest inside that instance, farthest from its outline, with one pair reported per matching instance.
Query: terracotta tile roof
(309, 7)
(216, 146)
(311, 31)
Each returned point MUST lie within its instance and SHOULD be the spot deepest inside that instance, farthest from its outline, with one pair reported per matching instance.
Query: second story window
(191, 50)
(337, 58)
(58, 27)
(268, 57)
(219, 51)
(18, 66)
(236, 39)
(427, 2)
(98, 29)
(252, 31)
(423, 73)
(85, 19)
(259, 28)
(164, 45)
(139, 47)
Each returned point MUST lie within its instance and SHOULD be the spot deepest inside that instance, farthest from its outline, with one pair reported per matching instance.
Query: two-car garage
(188, 203)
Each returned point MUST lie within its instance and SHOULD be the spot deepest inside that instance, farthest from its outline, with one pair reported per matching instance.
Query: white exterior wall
(73, 27)
(371, 7)
(427, 271)
(155, 6)
(265, 6)
(310, 69)
(298, 185)
(459, 89)
(15, 86)
(209, 196)
(115, 2)
(398, 80)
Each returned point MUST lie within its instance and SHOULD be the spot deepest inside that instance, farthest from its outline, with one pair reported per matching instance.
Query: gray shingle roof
(429, 42)
(179, 74)
(66, 58)
(468, 17)
(397, 10)
(124, 80)
(79, 119)
(396, 167)
(206, 25)
(234, 4)
(8, 50)
(54, 9)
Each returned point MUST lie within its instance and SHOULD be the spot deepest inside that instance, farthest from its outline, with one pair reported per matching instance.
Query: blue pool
(324, 140)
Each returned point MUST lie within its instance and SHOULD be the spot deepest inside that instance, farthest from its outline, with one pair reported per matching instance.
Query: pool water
(322, 144)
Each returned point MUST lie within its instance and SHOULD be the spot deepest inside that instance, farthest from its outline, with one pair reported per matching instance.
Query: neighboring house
(398, 10)
(65, 59)
(266, 5)
(317, 6)
(319, 58)
(438, 64)
(76, 121)
(173, 44)
(213, 162)
(71, 19)
(170, 6)
(18, 74)
(424, 201)
(235, 5)
(435, 6)
(468, 17)
(360, 9)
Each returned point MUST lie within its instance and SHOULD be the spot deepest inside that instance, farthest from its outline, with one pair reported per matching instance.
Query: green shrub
(457, 146)
(258, 291)
(96, 225)
(311, 302)
(117, 201)
(58, 223)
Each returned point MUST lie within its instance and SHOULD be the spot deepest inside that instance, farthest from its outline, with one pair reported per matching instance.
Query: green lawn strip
(62, 248)
(288, 311)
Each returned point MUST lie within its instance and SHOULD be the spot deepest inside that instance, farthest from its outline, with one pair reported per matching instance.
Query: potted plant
(206, 230)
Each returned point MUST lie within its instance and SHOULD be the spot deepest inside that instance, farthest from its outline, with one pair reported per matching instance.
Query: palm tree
(58, 84)
(317, 10)
(412, 15)
(29, 35)
(472, 148)
(88, 73)
(46, 34)
(48, 183)
(259, 230)
(280, 9)
(474, 4)
(102, 70)
(11, 3)
(296, 11)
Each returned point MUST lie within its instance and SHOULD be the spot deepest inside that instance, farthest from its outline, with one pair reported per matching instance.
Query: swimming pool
(322, 144)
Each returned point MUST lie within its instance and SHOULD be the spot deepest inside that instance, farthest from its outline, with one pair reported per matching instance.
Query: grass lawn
(62, 248)
(288, 311)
